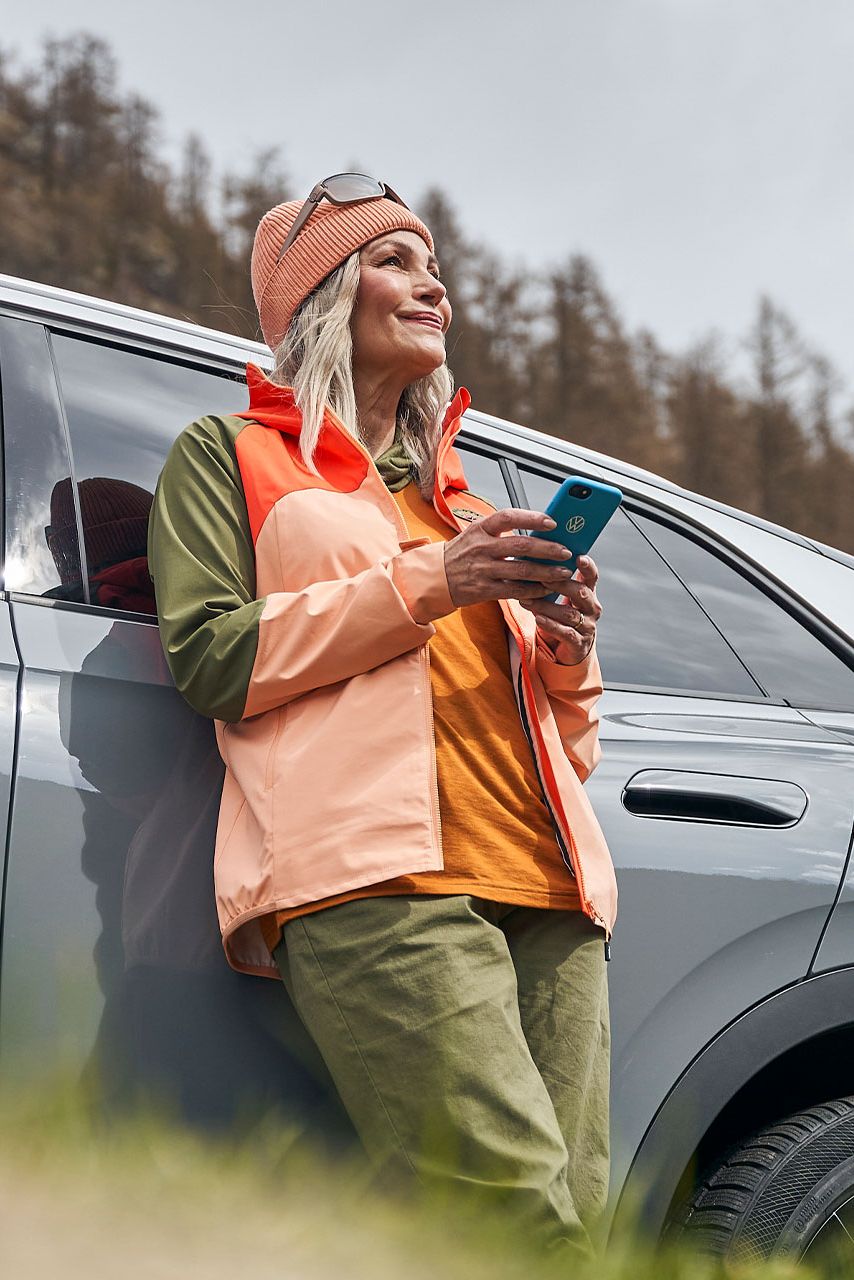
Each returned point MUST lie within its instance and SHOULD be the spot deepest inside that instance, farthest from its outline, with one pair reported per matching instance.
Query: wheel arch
(792, 1050)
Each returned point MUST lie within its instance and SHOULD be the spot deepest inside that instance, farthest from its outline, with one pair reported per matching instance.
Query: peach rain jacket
(296, 611)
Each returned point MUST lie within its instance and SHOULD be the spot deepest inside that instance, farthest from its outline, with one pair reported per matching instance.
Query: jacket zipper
(434, 776)
(573, 868)
(403, 534)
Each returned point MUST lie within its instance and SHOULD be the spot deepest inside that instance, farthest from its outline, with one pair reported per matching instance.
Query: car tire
(786, 1191)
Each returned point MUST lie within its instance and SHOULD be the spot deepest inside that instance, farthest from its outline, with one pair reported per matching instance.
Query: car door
(837, 945)
(728, 811)
(810, 677)
(111, 960)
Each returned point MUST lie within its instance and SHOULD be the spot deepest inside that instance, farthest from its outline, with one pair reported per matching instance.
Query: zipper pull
(607, 949)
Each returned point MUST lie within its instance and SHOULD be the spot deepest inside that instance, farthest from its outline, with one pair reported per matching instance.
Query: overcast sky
(700, 151)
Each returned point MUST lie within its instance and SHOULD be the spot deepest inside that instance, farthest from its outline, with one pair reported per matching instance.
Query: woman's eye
(393, 257)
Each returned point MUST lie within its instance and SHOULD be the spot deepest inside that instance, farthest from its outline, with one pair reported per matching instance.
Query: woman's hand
(569, 627)
(477, 567)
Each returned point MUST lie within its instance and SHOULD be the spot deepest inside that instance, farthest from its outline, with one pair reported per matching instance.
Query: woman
(405, 723)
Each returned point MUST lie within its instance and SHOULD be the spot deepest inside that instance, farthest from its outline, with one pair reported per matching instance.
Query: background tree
(772, 415)
(715, 452)
(829, 483)
(489, 342)
(246, 199)
(591, 388)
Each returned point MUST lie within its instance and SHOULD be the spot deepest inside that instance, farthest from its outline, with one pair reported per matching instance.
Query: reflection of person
(149, 816)
(332, 595)
(114, 515)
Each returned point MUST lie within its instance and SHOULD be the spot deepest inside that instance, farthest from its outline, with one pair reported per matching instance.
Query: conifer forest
(88, 202)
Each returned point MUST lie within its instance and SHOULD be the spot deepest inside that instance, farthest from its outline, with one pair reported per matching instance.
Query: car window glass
(484, 477)
(42, 552)
(784, 656)
(652, 633)
(124, 409)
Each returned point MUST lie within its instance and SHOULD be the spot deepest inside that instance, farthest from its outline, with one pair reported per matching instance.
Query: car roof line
(41, 295)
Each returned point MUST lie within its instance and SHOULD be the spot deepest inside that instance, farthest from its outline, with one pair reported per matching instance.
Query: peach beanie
(331, 234)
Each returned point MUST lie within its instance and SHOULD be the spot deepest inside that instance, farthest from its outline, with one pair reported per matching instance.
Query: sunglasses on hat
(340, 188)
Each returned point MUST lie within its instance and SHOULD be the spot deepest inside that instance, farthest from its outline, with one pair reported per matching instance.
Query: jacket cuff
(419, 575)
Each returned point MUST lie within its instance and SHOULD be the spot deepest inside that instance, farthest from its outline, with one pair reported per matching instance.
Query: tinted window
(652, 633)
(124, 409)
(42, 553)
(484, 477)
(787, 659)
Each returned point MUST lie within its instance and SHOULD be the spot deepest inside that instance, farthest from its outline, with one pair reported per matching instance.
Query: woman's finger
(588, 571)
(520, 544)
(574, 623)
(565, 631)
(519, 570)
(566, 643)
(513, 518)
(523, 589)
(579, 600)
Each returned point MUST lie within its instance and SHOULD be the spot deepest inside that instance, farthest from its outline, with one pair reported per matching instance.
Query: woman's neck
(376, 404)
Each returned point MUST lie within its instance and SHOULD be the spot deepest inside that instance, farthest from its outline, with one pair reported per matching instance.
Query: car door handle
(714, 797)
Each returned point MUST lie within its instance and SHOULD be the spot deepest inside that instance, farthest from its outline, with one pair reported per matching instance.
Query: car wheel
(787, 1190)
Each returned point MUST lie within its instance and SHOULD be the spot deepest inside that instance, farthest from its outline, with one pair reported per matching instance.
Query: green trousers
(469, 1042)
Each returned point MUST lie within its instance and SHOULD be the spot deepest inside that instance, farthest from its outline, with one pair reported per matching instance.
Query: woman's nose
(429, 287)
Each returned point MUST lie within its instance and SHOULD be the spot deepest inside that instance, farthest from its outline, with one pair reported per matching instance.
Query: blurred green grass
(144, 1197)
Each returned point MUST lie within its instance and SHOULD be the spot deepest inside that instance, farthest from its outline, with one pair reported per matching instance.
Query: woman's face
(402, 311)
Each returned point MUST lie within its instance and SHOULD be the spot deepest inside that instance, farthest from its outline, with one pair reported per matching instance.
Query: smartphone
(581, 508)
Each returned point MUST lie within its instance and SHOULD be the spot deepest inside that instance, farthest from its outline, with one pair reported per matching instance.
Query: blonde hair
(315, 358)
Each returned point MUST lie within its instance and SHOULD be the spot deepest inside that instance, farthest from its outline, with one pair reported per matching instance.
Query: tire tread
(730, 1205)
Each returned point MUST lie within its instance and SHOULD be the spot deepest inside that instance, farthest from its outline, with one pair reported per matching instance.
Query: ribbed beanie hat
(329, 236)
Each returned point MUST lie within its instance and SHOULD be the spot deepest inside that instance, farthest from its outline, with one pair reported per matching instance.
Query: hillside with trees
(88, 202)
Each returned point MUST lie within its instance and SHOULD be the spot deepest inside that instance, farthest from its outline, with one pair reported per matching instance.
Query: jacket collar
(271, 405)
(449, 467)
(274, 406)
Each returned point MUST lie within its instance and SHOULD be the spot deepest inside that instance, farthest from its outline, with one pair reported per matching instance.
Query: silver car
(726, 792)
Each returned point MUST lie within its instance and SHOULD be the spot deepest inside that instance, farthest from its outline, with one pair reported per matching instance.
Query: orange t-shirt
(497, 837)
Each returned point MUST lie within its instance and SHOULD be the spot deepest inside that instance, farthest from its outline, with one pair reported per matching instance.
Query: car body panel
(98, 316)
(837, 944)
(112, 961)
(10, 673)
(799, 1015)
(712, 916)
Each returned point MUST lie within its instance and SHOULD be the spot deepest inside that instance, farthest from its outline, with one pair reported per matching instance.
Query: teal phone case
(579, 520)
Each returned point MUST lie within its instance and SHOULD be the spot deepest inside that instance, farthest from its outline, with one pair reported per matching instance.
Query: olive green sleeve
(202, 561)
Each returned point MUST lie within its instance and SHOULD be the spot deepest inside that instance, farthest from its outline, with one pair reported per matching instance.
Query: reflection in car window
(792, 663)
(39, 558)
(124, 409)
(653, 633)
(484, 476)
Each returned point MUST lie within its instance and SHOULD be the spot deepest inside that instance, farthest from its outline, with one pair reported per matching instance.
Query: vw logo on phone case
(574, 523)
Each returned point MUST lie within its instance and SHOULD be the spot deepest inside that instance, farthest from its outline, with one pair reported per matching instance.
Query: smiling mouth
(425, 318)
